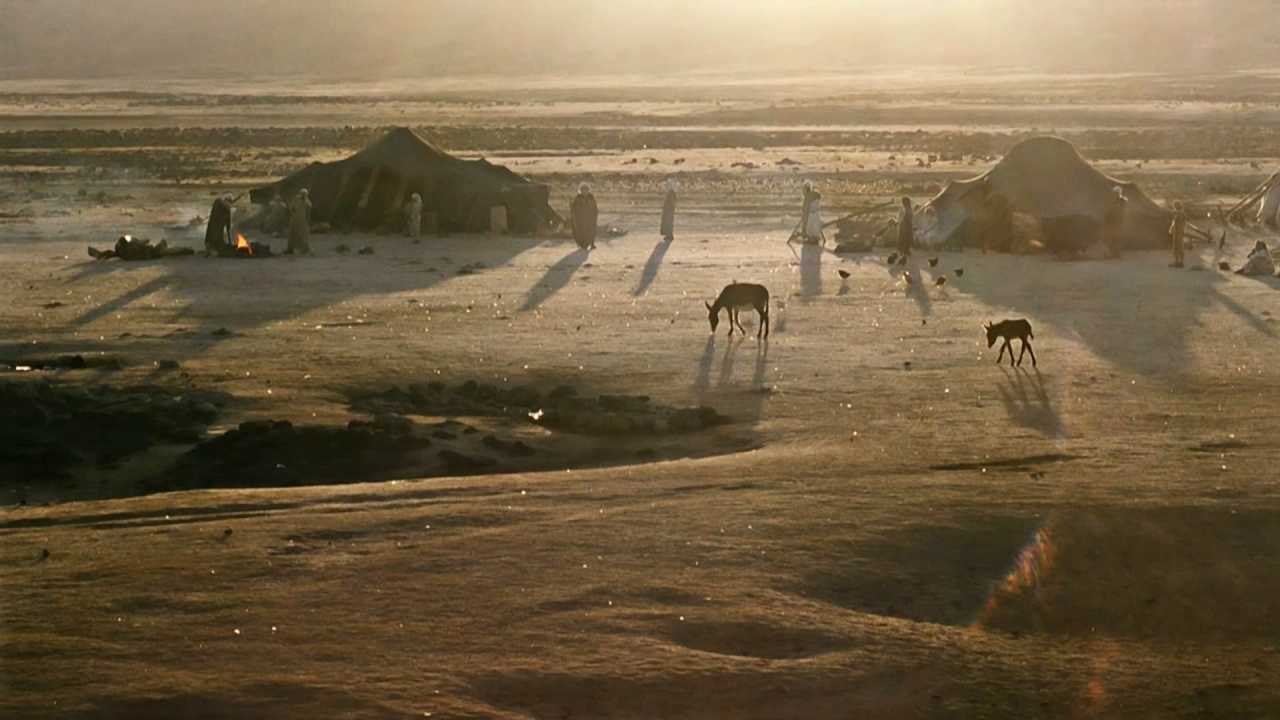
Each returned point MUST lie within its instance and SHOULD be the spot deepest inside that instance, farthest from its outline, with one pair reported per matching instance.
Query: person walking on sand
(1177, 232)
(300, 224)
(668, 228)
(584, 213)
(906, 228)
(413, 216)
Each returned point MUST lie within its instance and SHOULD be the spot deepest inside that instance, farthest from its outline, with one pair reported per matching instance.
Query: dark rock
(563, 391)
(459, 464)
(624, 403)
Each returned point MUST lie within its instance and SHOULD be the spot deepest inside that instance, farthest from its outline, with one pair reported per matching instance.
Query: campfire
(245, 249)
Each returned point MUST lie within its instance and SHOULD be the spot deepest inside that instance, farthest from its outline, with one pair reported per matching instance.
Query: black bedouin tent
(368, 190)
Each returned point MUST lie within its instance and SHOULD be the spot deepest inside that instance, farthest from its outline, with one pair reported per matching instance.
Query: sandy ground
(949, 538)
(916, 533)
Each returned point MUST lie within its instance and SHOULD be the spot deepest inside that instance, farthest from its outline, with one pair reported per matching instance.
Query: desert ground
(886, 524)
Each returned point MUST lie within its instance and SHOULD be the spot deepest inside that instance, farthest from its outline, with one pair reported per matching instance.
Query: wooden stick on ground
(856, 213)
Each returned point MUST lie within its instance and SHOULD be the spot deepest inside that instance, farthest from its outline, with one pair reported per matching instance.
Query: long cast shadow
(726, 363)
(221, 292)
(556, 277)
(651, 267)
(123, 300)
(918, 291)
(702, 375)
(810, 270)
(1036, 413)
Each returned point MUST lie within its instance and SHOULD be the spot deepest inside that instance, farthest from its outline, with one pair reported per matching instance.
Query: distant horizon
(376, 39)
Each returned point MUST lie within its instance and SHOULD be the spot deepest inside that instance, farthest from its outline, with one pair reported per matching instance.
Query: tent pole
(337, 198)
(368, 188)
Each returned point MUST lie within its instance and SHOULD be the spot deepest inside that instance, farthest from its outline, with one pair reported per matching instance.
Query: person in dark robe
(128, 247)
(906, 228)
(1113, 222)
(584, 213)
(668, 228)
(217, 236)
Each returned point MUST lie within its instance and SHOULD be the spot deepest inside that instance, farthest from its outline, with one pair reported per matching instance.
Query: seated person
(1259, 261)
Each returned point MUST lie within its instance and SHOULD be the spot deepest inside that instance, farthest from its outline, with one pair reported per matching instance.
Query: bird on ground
(959, 272)
(226, 533)
(907, 276)
(1224, 266)
(933, 262)
(893, 259)
(844, 274)
(940, 281)
(44, 553)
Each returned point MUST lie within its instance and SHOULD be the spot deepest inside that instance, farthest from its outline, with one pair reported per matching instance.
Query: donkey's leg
(1027, 344)
(1000, 357)
(1024, 351)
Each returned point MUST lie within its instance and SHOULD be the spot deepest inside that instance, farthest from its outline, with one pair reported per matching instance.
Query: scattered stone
(560, 409)
(270, 453)
(366, 250)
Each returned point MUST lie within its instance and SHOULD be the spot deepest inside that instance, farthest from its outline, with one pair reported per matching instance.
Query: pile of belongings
(128, 247)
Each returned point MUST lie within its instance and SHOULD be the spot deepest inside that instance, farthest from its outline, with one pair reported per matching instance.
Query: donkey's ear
(704, 302)
(987, 326)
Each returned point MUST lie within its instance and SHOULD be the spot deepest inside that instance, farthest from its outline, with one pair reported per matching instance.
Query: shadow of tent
(1101, 303)
(651, 267)
(219, 293)
(556, 277)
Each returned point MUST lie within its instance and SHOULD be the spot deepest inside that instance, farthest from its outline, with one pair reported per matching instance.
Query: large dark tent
(1045, 180)
(368, 189)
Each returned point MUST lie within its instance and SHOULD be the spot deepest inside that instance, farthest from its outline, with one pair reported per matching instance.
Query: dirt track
(920, 533)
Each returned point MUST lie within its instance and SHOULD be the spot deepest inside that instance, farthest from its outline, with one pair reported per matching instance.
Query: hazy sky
(385, 38)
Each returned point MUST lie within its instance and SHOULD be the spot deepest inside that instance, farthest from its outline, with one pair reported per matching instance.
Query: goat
(1010, 329)
(733, 298)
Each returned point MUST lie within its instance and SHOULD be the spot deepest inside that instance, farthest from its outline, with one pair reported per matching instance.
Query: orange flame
(243, 245)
